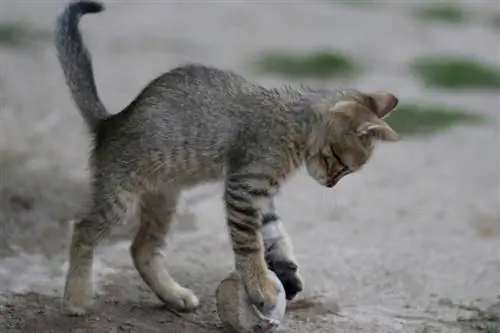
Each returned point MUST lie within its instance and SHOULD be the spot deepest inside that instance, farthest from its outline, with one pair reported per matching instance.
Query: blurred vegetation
(11, 34)
(442, 12)
(14, 35)
(452, 13)
(420, 119)
(456, 73)
(318, 64)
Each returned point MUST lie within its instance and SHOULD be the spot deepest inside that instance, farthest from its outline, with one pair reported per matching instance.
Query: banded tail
(76, 62)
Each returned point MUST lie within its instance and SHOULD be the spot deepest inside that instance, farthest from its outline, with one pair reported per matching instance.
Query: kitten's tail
(76, 62)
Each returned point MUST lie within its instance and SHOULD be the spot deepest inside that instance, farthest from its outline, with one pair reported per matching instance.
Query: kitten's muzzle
(332, 182)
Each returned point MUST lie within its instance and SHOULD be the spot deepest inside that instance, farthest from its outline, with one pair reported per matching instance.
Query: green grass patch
(419, 119)
(456, 73)
(11, 34)
(14, 35)
(319, 64)
(448, 13)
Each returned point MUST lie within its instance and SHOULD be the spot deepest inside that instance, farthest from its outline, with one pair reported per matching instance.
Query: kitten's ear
(381, 131)
(384, 102)
(364, 121)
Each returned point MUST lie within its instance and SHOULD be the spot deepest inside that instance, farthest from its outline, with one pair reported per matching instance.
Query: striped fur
(196, 124)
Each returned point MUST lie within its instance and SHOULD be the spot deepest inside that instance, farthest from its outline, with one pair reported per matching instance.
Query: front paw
(77, 304)
(79, 295)
(287, 272)
(262, 292)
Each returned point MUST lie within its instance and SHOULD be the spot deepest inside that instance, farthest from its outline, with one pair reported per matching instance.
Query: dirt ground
(409, 244)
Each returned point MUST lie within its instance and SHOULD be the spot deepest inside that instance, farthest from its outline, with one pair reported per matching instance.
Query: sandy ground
(384, 252)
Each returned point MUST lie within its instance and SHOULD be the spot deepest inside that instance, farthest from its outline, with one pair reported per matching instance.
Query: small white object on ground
(238, 315)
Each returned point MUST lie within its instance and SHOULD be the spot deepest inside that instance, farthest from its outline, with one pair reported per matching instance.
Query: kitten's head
(342, 140)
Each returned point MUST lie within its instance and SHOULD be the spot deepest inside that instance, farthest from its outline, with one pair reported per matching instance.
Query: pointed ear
(380, 131)
(364, 122)
(384, 103)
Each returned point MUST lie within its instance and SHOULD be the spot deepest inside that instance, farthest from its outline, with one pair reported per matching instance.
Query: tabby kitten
(195, 124)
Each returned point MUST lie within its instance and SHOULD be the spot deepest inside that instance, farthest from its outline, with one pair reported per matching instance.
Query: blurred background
(409, 244)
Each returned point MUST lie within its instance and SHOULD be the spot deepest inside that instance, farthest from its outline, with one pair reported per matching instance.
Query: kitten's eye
(365, 139)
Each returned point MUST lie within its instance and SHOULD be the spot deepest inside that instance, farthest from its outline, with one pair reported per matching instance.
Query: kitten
(196, 124)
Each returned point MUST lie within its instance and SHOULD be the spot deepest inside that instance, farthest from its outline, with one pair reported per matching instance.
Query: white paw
(77, 308)
(79, 297)
(182, 299)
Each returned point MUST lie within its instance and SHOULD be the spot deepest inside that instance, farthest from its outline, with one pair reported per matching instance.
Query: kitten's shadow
(35, 206)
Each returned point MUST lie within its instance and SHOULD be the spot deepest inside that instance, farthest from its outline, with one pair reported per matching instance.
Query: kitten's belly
(202, 173)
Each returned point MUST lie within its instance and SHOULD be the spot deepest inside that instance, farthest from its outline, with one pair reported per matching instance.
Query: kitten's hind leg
(148, 248)
(107, 210)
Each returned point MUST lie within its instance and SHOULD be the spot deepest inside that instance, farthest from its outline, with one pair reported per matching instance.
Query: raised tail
(76, 62)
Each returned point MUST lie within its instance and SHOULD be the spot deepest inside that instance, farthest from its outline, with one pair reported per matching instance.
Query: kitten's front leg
(279, 256)
(243, 198)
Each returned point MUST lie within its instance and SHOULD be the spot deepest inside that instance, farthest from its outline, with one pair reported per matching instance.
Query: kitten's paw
(77, 306)
(79, 297)
(263, 293)
(287, 272)
(181, 299)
